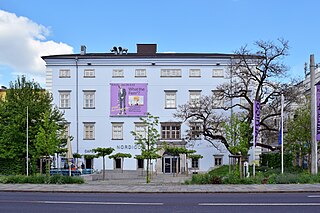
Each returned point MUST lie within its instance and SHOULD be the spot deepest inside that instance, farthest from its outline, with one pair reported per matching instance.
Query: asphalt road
(158, 202)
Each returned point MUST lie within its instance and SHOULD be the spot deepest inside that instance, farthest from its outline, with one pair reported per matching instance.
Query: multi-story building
(103, 95)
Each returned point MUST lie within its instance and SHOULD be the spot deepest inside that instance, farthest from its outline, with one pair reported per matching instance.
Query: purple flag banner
(256, 127)
(128, 99)
(318, 110)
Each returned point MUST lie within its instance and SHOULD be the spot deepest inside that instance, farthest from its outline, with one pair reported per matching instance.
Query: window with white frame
(64, 102)
(170, 72)
(218, 99)
(195, 130)
(140, 73)
(194, 73)
(218, 160)
(140, 129)
(170, 99)
(117, 131)
(88, 130)
(218, 73)
(89, 73)
(194, 97)
(117, 73)
(171, 130)
(64, 73)
(195, 163)
(89, 99)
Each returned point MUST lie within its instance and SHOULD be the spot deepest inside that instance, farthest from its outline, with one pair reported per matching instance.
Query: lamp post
(27, 157)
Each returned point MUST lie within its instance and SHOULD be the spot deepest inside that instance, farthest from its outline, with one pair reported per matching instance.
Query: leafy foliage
(45, 122)
(148, 144)
(102, 152)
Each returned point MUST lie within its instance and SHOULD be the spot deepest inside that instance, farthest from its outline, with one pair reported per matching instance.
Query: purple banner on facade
(256, 120)
(318, 111)
(128, 99)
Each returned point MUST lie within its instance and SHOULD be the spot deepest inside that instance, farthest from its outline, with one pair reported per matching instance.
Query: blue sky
(29, 29)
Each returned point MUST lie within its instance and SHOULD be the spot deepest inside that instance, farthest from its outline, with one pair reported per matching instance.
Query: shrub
(40, 179)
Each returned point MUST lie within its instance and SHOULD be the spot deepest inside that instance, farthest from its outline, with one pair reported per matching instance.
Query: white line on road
(314, 196)
(259, 204)
(97, 203)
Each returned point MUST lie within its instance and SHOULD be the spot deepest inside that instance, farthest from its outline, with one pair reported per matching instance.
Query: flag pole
(282, 101)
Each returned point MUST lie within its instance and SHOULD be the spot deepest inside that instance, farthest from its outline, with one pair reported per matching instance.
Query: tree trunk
(104, 168)
(148, 177)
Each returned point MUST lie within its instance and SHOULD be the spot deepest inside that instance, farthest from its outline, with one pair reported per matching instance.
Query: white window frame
(218, 73)
(117, 73)
(193, 162)
(140, 129)
(171, 73)
(194, 73)
(88, 130)
(194, 97)
(140, 73)
(117, 131)
(89, 99)
(89, 73)
(170, 99)
(218, 157)
(64, 73)
(64, 99)
(216, 102)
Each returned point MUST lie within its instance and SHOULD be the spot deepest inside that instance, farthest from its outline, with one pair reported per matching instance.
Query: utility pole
(314, 145)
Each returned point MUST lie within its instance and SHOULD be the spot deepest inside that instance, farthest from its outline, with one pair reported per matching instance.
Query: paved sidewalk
(135, 187)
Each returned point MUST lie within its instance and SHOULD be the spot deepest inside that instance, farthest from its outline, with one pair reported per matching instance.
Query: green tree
(298, 137)
(238, 134)
(122, 156)
(23, 94)
(148, 144)
(48, 138)
(103, 152)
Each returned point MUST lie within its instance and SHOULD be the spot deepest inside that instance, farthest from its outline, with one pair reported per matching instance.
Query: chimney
(83, 50)
(146, 49)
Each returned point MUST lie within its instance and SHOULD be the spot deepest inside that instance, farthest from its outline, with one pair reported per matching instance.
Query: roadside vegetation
(263, 175)
(40, 179)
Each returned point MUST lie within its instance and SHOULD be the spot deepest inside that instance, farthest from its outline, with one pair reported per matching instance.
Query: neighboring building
(2, 92)
(103, 95)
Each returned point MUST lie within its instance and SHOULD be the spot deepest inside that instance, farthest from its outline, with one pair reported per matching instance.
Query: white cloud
(23, 42)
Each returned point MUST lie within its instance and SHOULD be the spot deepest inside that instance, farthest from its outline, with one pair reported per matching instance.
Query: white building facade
(103, 95)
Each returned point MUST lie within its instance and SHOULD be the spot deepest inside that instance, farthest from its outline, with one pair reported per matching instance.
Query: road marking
(97, 203)
(314, 196)
(259, 204)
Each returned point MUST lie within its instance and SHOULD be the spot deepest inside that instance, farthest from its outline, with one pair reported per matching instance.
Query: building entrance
(170, 164)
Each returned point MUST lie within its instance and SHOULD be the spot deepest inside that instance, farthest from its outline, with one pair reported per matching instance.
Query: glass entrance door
(170, 164)
(167, 165)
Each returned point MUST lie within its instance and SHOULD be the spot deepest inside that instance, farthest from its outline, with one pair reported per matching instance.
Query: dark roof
(135, 55)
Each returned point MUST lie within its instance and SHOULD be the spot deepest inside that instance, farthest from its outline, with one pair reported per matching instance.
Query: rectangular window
(194, 73)
(218, 73)
(218, 98)
(117, 73)
(170, 99)
(195, 163)
(140, 73)
(217, 160)
(171, 131)
(117, 131)
(170, 72)
(89, 73)
(64, 102)
(194, 97)
(140, 163)
(88, 131)
(88, 99)
(140, 129)
(195, 130)
(64, 73)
